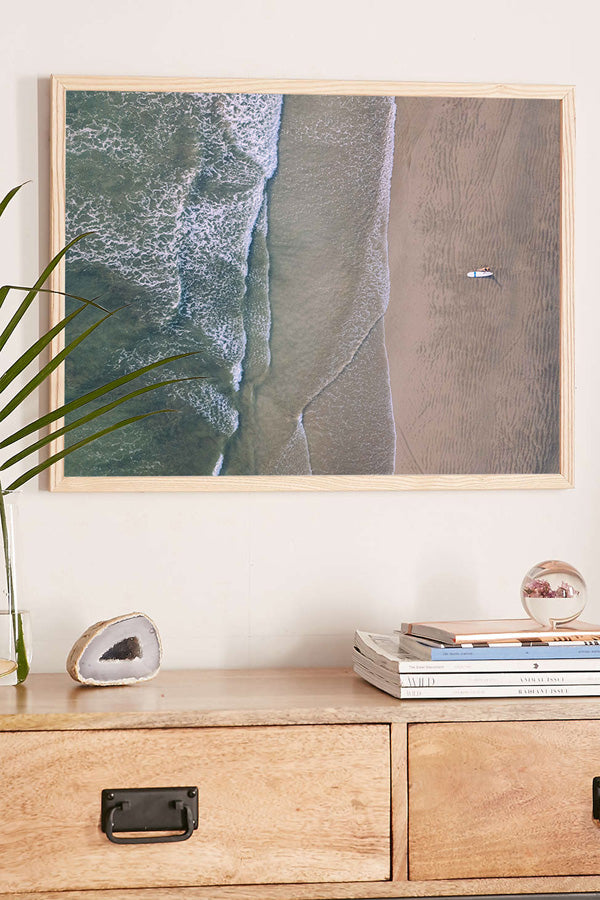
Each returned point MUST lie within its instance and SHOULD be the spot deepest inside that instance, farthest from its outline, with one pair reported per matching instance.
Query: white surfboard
(478, 273)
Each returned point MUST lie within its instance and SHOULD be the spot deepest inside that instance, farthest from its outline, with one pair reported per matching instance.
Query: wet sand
(324, 406)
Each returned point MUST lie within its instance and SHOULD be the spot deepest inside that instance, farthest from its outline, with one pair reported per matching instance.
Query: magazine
(383, 649)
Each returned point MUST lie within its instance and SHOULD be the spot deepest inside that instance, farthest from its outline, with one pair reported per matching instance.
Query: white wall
(283, 579)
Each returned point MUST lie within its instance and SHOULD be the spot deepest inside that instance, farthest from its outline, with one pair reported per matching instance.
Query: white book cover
(383, 649)
(393, 687)
(481, 679)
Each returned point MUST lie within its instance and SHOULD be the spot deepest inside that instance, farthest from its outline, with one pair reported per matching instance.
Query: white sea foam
(294, 458)
(213, 405)
(145, 225)
(174, 186)
(237, 373)
(254, 126)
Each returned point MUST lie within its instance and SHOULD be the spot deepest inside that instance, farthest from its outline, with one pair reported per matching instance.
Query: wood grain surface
(302, 483)
(415, 471)
(399, 748)
(496, 787)
(212, 697)
(308, 86)
(503, 799)
(292, 804)
(335, 891)
(56, 282)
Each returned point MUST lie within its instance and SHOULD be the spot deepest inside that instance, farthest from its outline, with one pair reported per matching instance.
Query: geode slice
(122, 650)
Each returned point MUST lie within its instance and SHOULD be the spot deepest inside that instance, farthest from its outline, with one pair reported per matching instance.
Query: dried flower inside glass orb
(553, 593)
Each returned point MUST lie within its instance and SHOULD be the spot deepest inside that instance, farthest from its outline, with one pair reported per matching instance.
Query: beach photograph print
(370, 284)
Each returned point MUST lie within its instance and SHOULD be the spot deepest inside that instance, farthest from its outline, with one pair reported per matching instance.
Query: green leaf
(19, 287)
(70, 407)
(21, 652)
(26, 358)
(36, 289)
(49, 368)
(88, 418)
(4, 203)
(57, 456)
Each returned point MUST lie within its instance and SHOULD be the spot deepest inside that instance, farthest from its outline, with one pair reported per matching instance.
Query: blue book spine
(564, 651)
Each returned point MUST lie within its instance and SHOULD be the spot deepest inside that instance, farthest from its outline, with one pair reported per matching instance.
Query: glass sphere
(553, 593)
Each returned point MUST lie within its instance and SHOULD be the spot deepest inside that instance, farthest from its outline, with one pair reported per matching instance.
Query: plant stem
(10, 589)
(17, 624)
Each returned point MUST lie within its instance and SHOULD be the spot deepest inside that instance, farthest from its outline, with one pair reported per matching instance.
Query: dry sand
(474, 364)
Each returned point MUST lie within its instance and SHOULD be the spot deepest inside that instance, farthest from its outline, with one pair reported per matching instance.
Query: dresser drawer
(496, 799)
(276, 804)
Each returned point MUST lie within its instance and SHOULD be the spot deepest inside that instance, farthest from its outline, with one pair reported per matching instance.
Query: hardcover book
(497, 631)
(424, 649)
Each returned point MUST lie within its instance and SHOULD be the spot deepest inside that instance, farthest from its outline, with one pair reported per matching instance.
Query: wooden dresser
(311, 784)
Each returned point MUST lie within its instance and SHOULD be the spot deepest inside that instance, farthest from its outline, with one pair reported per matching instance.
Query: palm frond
(34, 351)
(83, 420)
(70, 407)
(31, 473)
(20, 287)
(32, 294)
(6, 200)
(49, 368)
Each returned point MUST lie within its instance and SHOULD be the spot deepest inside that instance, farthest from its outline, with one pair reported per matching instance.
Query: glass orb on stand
(553, 593)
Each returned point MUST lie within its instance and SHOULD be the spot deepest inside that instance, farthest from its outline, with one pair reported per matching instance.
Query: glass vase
(15, 629)
(15, 646)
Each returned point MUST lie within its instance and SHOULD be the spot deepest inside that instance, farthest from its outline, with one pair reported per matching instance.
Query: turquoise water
(252, 230)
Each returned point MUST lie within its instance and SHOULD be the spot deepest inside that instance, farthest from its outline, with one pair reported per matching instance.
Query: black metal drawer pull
(150, 809)
(596, 798)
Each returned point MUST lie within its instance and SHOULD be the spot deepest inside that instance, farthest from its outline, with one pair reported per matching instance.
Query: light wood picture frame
(402, 372)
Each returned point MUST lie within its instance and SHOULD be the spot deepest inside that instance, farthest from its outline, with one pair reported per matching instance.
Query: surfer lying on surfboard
(483, 272)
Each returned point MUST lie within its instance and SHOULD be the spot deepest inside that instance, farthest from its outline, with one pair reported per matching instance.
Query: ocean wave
(174, 186)
(254, 232)
(212, 404)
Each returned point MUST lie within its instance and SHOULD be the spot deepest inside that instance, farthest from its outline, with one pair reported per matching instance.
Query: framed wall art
(375, 279)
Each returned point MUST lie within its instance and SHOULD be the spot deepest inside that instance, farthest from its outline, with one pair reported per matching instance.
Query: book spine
(428, 667)
(577, 651)
(473, 691)
(481, 679)
(381, 650)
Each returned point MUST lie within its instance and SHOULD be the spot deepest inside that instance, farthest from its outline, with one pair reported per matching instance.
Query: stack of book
(504, 658)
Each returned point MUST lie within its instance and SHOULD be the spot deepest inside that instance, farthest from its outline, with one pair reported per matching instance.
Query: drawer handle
(596, 798)
(151, 839)
(150, 809)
